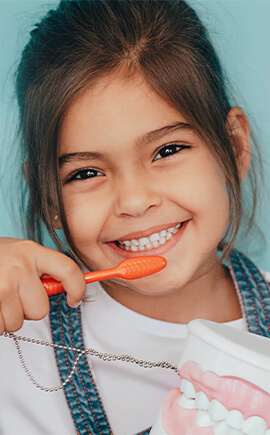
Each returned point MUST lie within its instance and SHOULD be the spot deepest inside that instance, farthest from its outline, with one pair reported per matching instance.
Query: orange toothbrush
(132, 268)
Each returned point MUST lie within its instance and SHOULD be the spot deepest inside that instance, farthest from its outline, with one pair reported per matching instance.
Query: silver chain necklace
(104, 356)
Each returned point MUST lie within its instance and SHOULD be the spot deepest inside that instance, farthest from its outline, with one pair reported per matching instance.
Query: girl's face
(137, 180)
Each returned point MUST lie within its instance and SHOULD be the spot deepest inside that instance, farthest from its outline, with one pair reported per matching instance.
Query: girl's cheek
(85, 219)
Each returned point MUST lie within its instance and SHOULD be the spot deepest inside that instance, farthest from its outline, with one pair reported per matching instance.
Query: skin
(132, 191)
(22, 296)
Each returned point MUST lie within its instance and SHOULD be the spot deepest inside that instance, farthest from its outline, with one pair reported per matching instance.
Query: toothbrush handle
(52, 286)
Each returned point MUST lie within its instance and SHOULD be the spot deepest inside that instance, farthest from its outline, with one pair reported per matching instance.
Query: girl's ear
(238, 129)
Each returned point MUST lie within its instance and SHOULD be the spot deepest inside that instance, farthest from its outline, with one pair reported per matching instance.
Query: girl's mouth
(156, 243)
(151, 242)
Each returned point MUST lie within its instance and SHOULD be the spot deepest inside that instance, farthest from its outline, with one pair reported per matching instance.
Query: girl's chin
(152, 285)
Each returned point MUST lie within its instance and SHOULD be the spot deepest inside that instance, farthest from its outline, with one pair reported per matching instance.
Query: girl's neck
(212, 297)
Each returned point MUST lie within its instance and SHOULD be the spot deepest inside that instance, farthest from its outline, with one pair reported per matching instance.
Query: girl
(130, 147)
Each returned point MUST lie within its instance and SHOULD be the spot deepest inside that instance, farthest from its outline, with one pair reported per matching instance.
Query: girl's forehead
(111, 88)
(116, 105)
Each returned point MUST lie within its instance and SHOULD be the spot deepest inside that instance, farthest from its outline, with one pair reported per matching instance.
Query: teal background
(241, 32)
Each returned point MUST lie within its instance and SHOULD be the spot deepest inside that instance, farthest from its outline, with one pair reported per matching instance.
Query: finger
(34, 299)
(12, 313)
(65, 270)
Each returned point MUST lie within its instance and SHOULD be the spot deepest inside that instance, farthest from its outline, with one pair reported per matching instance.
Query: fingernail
(74, 305)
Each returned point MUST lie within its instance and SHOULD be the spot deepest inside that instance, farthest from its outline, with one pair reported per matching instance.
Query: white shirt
(132, 396)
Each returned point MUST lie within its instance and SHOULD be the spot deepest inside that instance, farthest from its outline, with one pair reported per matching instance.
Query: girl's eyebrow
(143, 140)
(163, 131)
(82, 155)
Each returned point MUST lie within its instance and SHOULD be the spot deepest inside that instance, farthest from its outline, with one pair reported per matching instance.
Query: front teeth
(187, 400)
(202, 402)
(188, 389)
(186, 403)
(213, 413)
(153, 241)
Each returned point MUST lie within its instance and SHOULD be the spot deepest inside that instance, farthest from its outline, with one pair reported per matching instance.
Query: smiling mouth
(154, 240)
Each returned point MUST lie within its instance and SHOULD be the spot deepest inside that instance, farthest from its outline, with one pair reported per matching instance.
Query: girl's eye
(84, 174)
(169, 150)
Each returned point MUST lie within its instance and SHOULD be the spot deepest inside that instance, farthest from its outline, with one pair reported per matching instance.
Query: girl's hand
(22, 295)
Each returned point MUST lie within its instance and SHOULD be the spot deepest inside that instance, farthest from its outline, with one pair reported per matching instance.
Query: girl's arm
(22, 295)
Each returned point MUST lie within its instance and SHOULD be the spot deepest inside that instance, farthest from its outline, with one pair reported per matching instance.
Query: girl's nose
(135, 198)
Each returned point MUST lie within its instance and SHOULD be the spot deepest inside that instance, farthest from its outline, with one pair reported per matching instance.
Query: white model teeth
(202, 402)
(217, 411)
(187, 400)
(203, 419)
(235, 419)
(186, 403)
(221, 428)
(153, 241)
(213, 413)
(188, 389)
(255, 425)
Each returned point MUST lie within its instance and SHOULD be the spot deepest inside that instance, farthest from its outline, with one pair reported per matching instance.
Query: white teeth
(163, 233)
(254, 425)
(153, 241)
(154, 237)
(143, 241)
(203, 419)
(187, 399)
(202, 402)
(169, 235)
(215, 414)
(235, 419)
(188, 389)
(186, 403)
(221, 428)
(217, 411)
(235, 431)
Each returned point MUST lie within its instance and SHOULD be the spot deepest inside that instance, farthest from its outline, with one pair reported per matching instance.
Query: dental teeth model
(224, 384)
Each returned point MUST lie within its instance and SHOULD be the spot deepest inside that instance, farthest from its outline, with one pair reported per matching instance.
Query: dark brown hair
(79, 42)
